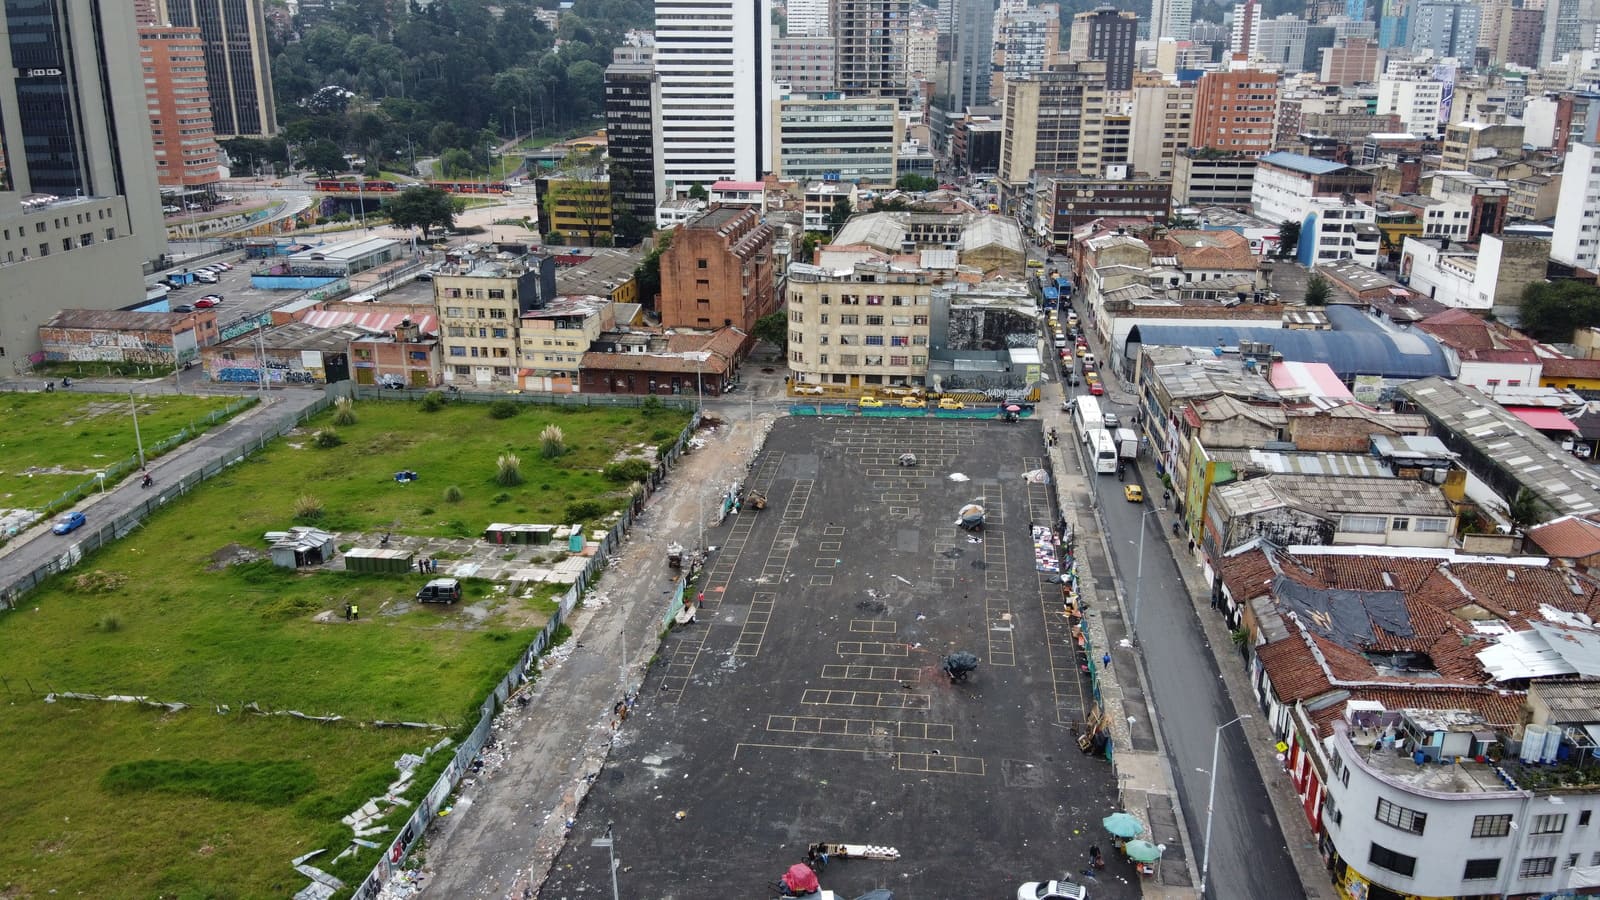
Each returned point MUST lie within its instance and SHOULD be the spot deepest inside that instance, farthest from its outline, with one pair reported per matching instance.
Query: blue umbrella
(1123, 825)
(1142, 851)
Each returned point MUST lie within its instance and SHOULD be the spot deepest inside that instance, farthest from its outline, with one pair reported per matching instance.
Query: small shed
(367, 559)
(301, 546)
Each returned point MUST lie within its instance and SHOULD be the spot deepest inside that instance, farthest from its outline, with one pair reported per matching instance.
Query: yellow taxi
(913, 403)
(1133, 492)
(951, 403)
(871, 403)
(1035, 264)
(1091, 377)
(1083, 350)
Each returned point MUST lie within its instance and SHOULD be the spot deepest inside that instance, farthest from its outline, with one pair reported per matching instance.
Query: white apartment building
(1171, 19)
(806, 18)
(859, 327)
(1163, 117)
(849, 139)
(1414, 97)
(715, 64)
(1336, 230)
(1280, 42)
(1577, 235)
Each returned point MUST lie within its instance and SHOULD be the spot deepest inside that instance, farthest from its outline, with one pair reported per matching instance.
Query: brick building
(179, 103)
(719, 271)
(1235, 111)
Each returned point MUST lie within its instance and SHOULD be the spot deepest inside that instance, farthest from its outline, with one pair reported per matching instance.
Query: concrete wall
(1282, 526)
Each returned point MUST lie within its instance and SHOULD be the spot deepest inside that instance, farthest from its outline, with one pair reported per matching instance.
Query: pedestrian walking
(1105, 660)
(349, 612)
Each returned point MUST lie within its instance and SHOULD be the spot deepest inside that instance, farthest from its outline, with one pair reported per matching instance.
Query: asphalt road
(1249, 860)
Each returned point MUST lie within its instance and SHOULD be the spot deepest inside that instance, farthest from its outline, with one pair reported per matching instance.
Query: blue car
(69, 522)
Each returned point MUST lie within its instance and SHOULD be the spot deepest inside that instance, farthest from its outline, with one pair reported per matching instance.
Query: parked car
(871, 403)
(69, 522)
(951, 403)
(204, 303)
(440, 590)
(1052, 890)
(183, 308)
(205, 278)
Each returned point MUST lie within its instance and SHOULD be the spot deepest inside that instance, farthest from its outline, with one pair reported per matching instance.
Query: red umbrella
(1013, 408)
(801, 879)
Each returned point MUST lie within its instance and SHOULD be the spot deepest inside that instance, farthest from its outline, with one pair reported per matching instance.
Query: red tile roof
(1476, 338)
(1563, 367)
(1569, 537)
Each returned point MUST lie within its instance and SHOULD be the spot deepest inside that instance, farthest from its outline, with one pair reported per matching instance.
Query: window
(1400, 863)
(1537, 867)
(1436, 526)
(899, 340)
(1397, 816)
(1400, 523)
(1481, 868)
(1363, 524)
(796, 316)
(1491, 826)
(1583, 818)
(849, 320)
(823, 318)
(796, 356)
(874, 320)
(1572, 861)
(699, 264)
(1549, 823)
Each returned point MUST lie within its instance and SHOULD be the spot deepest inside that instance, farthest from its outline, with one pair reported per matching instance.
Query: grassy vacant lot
(50, 443)
(76, 829)
(457, 446)
(208, 805)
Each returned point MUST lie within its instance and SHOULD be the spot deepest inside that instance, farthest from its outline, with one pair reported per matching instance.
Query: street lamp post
(1138, 577)
(133, 405)
(609, 843)
(1211, 801)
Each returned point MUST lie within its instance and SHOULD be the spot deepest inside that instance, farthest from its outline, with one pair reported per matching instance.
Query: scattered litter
(957, 476)
(898, 578)
(680, 815)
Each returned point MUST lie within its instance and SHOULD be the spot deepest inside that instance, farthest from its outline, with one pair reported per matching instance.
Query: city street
(1249, 857)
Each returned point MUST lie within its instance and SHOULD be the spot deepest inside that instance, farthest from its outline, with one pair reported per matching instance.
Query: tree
(1288, 239)
(1525, 509)
(578, 192)
(698, 192)
(911, 181)
(323, 156)
(648, 273)
(1553, 311)
(809, 244)
(774, 329)
(840, 213)
(421, 208)
(1317, 290)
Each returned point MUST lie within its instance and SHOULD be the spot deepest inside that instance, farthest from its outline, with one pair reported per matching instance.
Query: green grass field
(49, 443)
(161, 614)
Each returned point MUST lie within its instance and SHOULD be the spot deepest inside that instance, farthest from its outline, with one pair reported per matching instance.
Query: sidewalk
(509, 819)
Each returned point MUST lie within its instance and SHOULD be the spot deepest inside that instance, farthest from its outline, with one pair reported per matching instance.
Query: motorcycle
(146, 481)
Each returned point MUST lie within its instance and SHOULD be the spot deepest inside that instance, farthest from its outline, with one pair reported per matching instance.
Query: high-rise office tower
(1028, 42)
(966, 78)
(1171, 18)
(80, 212)
(806, 18)
(186, 149)
(145, 13)
(714, 60)
(238, 70)
(1280, 41)
(1107, 34)
(633, 141)
(871, 40)
(1447, 28)
(1568, 25)
(1245, 16)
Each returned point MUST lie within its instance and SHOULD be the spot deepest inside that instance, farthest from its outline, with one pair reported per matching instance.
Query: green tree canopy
(1288, 239)
(1554, 310)
(914, 182)
(421, 208)
(698, 192)
(324, 156)
(840, 213)
(1317, 290)
(774, 329)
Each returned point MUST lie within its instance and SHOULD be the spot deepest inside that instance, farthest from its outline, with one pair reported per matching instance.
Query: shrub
(452, 494)
(327, 439)
(553, 441)
(504, 409)
(501, 497)
(109, 623)
(99, 581)
(584, 510)
(508, 471)
(308, 508)
(346, 414)
(432, 401)
(629, 470)
(651, 405)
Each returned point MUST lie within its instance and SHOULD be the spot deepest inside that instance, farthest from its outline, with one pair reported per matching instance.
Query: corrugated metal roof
(1347, 353)
(1307, 164)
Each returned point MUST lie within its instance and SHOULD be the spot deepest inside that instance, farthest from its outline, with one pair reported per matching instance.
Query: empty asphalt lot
(807, 703)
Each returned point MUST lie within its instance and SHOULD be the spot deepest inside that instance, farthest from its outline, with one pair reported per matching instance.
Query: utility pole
(134, 406)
